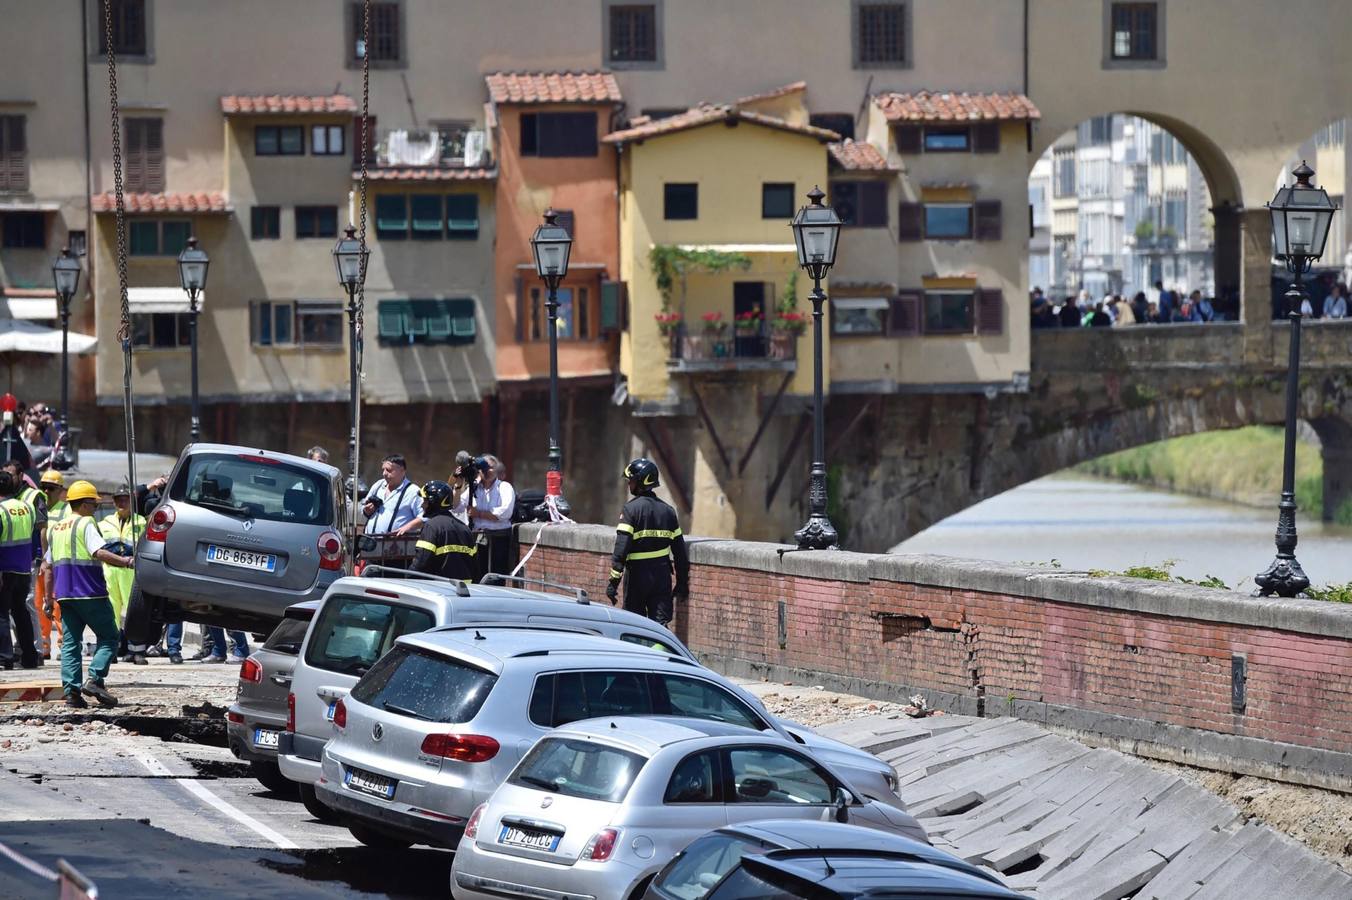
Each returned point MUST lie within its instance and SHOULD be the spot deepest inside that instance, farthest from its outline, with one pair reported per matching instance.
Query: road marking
(197, 790)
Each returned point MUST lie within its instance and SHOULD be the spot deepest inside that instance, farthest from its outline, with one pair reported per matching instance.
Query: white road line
(201, 793)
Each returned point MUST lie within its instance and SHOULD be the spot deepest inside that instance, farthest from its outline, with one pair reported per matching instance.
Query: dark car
(257, 718)
(807, 860)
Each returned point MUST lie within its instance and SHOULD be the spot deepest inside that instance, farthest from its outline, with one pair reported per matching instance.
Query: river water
(1086, 523)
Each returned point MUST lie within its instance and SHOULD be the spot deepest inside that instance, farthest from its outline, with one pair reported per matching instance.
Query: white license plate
(529, 838)
(369, 783)
(266, 737)
(244, 559)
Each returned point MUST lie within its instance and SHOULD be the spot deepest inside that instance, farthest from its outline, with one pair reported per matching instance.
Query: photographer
(394, 504)
(491, 514)
(462, 480)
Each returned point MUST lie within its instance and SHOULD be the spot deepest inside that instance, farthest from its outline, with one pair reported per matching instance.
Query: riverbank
(1240, 466)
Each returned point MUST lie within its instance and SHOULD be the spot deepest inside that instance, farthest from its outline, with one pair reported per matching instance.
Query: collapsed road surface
(145, 798)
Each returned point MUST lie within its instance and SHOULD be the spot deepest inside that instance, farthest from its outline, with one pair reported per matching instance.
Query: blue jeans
(239, 642)
(173, 638)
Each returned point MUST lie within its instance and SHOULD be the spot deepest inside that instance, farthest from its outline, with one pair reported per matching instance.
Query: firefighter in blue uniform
(648, 545)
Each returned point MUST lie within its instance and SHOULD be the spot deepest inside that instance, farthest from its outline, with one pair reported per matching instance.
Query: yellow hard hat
(81, 490)
(51, 476)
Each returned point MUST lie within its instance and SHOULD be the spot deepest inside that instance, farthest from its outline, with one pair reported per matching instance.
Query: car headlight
(890, 776)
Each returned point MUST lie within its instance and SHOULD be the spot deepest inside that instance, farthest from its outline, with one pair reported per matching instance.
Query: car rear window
(353, 632)
(409, 681)
(254, 487)
(578, 768)
(702, 865)
(288, 636)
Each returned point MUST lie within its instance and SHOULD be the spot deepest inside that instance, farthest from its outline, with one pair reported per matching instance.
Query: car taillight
(291, 713)
(161, 520)
(472, 826)
(234, 717)
(330, 550)
(339, 715)
(602, 845)
(463, 747)
(251, 671)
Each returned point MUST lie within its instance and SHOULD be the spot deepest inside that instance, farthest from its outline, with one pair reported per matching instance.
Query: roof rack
(495, 578)
(461, 589)
(513, 626)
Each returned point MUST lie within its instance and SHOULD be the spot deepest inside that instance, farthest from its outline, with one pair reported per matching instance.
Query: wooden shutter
(988, 220)
(909, 138)
(986, 137)
(613, 296)
(990, 311)
(911, 222)
(13, 154)
(520, 310)
(154, 156)
(903, 319)
(134, 165)
(872, 209)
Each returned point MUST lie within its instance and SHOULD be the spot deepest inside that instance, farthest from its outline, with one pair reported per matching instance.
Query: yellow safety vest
(77, 575)
(16, 537)
(114, 529)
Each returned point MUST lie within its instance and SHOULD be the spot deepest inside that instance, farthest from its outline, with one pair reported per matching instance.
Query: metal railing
(699, 344)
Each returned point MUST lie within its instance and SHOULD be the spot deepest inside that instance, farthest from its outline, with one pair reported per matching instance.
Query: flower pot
(695, 347)
(782, 345)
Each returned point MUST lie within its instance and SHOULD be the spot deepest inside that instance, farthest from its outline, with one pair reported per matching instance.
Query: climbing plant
(670, 263)
(789, 302)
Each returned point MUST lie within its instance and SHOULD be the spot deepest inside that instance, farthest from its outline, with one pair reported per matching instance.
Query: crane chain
(360, 330)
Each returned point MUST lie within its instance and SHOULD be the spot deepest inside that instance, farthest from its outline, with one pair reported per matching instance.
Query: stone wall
(1212, 678)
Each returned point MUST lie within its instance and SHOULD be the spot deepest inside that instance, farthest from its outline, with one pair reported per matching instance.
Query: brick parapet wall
(1144, 665)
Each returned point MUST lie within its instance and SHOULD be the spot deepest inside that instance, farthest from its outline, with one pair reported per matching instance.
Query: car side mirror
(842, 805)
(366, 543)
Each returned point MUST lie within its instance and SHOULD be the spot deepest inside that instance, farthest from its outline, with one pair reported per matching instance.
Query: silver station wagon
(598, 807)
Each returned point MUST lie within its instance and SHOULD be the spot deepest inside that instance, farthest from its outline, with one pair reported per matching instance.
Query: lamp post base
(541, 511)
(817, 534)
(1284, 577)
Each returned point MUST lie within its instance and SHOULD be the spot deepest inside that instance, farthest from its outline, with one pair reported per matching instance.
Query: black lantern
(350, 257)
(816, 232)
(350, 260)
(551, 246)
(192, 274)
(1301, 214)
(66, 279)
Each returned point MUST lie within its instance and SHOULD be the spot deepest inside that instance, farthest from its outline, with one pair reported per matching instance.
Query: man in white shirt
(491, 514)
(394, 504)
(1335, 304)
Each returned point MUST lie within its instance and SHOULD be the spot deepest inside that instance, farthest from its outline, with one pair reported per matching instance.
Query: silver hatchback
(598, 807)
(240, 535)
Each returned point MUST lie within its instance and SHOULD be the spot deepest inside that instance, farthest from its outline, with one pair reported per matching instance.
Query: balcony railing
(697, 349)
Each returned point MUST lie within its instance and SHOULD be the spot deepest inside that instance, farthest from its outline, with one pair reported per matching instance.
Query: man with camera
(394, 504)
(490, 513)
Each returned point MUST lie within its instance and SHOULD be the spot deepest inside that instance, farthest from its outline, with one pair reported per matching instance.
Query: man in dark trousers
(445, 546)
(648, 541)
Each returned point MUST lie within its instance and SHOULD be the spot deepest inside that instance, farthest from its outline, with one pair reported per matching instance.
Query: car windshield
(353, 632)
(703, 865)
(254, 487)
(288, 636)
(409, 681)
(578, 768)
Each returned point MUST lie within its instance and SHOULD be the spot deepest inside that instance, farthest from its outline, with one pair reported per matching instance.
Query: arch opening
(1327, 152)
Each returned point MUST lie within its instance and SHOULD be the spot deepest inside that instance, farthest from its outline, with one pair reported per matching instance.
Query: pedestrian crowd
(1161, 306)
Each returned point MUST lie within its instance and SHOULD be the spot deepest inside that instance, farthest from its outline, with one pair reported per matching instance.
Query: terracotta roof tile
(429, 173)
(707, 113)
(773, 93)
(859, 156)
(943, 106)
(201, 202)
(553, 87)
(278, 104)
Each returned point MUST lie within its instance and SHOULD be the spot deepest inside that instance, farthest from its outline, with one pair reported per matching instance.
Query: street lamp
(350, 258)
(192, 274)
(66, 277)
(816, 231)
(551, 244)
(1301, 215)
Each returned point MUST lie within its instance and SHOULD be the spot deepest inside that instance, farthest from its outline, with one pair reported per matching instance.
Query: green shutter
(416, 325)
(438, 317)
(462, 320)
(462, 217)
(145, 238)
(391, 217)
(175, 237)
(393, 314)
(426, 216)
(612, 306)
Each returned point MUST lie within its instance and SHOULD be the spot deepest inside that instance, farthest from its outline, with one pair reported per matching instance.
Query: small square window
(25, 230)
(316, 221)
(291, 140)
(860, 204)
(633, 33)
(777, 200)
(78, 242)
(949, 312)
(863, 316)
(265, 223)
(1135, 31)
(327, 140)
(129, 27)
(144, 238)
(948, 140)
(681, 201)
(386, 33)
(880, 38)
(948, 221)
(266, 140)
(174, 237)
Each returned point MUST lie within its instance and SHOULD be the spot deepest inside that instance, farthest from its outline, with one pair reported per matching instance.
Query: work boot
(99, 693)
(138, 659)
(75, 701)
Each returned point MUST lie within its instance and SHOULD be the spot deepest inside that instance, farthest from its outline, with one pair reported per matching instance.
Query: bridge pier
(1255, 282)
(1335, 438)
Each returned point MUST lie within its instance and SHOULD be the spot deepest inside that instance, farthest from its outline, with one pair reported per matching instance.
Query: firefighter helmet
(437, 497)
(642, 473)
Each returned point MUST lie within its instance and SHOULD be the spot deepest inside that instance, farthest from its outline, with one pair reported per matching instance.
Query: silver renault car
(240, 535)
(597, 808)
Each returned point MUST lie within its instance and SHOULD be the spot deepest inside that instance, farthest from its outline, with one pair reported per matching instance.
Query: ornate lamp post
(350, 258)
(816, 231)
(66, 278)
(192, 273)
(1301, 215)
(551, 244)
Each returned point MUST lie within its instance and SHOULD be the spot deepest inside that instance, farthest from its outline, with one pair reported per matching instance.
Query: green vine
(670, 263)
(789, 302)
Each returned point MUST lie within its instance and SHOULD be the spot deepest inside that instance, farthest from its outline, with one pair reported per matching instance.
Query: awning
(16, 204)
(741, 248)
(161, 300)
(18, 336)
(26, 303)
(860, 302)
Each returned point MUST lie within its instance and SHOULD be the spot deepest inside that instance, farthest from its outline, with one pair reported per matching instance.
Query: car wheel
(378, 840)
(272, 778)
(315, 807)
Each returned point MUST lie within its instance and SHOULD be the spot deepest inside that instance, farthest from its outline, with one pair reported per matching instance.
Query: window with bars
(1135, 31)
(880, 35)
(386, 33)
(143, 155)
(129, 27)
(13, 154)
(633, 33)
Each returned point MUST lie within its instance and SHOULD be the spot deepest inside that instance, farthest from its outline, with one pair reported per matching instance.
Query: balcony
(451, 146)
(705, 350)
